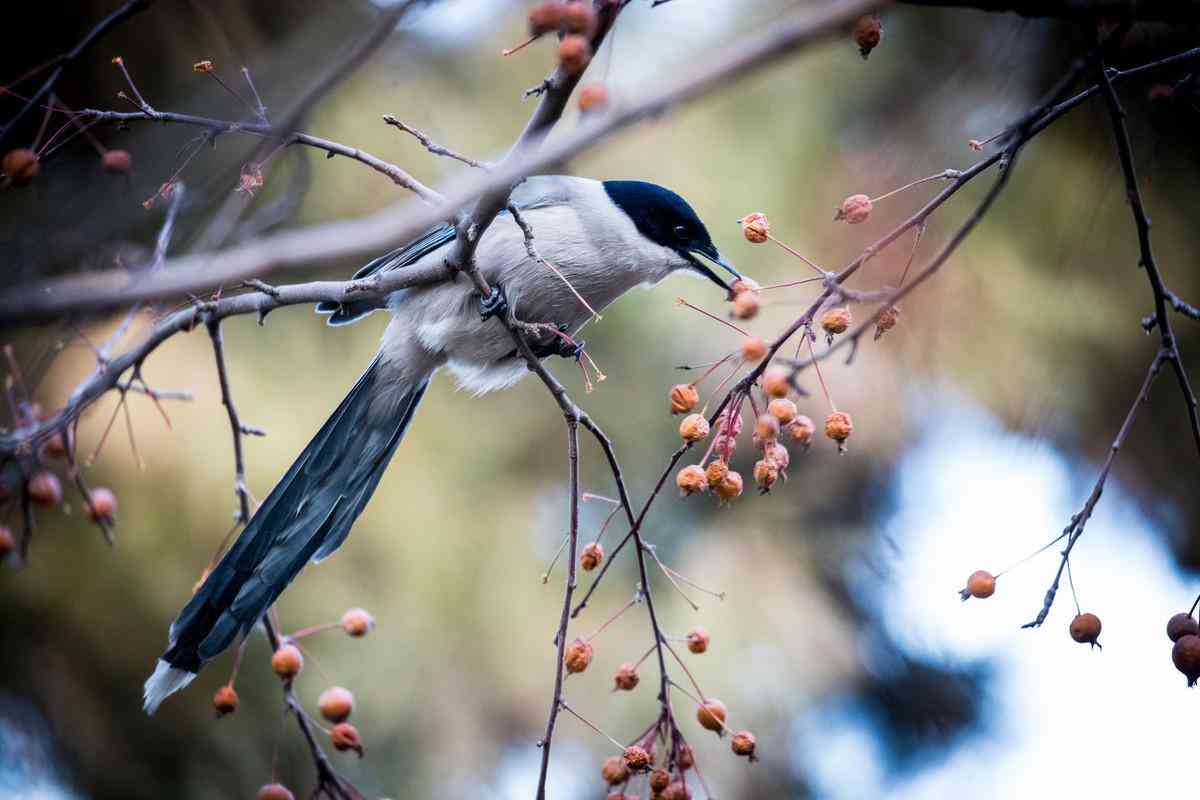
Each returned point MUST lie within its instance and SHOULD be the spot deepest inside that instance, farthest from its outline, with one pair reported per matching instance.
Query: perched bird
(604, 237)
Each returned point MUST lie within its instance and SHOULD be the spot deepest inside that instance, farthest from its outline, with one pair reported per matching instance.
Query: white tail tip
(165, 681)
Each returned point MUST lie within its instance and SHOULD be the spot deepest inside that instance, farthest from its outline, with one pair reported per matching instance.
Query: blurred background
(980, 422)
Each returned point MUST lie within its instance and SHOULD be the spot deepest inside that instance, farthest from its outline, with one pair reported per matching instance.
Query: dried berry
(711, 715)
(274, 791)
(578, 656)
(724, 445)
(685, 758)
(7, 542)
(753, 349)
(287, 661)
(578, 17)
(627, 677)
(744, 285)
(574, 53)
(636, 758)
(744, 744)
(677, 791)
(730, 488)
(775, 382)
(45, 489)
(545, 17)
(693, 428)
(104, 505)
(782, 409)
(716, 472)
(745, 305)
(691, 480)
(839, 427)
(766, 428)
(336, 704)
(766, 473)
(225, 700)
(116, 162)
(867, 33)
(854, 209)
(591, 556)
(801, 430)
(614, 770)
(697, 640)
(887, 320)
(344, 736)
(1182, 624)
(660, 779)
(756, 227)
(981, 584)
(1085, 628)
(21, 166)
(593, 97)
(56, 446)
(778, 455)
(357, 622)
(1186, 655)
(684, 398)
(835, 321)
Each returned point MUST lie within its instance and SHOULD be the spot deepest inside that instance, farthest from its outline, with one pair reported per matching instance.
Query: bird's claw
(495, 303)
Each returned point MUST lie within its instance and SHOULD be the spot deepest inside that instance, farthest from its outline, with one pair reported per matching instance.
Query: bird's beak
(715, 257)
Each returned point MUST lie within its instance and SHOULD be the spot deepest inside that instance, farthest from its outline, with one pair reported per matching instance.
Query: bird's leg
(495, 303)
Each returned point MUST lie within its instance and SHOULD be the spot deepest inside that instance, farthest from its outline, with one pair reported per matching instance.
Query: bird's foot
(495, 303)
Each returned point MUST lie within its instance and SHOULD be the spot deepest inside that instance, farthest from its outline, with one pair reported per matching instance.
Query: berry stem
(713, 317)
(508, 51)
(798, 255)
(817, 366)
(948, 174)
(632, 602)
(566, 707)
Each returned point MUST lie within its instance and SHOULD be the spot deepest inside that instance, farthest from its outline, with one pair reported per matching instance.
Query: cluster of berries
(1084, 627)
(335, 703)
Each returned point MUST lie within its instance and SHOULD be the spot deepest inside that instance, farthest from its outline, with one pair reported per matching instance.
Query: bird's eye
(681, 231)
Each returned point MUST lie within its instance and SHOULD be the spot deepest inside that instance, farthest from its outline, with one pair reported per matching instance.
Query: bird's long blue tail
(305, 518)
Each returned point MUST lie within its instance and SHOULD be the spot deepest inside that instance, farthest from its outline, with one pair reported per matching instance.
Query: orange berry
(578, 656)
(716, 472)
(627, 677)
(1182, 624)
(545, 17)
(697, 640)
(778, 455)
(835, 321)
(287, 661)
(744, 285)
(776, 383)
(753, 349)
(357, 622)
(116, 162)
(578, 17)
(745, 305)
(684, 398)
(685, 758)
(574, 53)
(838, 426)
(756, 227)
(591, 557)
(744, 744)
(1186, 656)
(225, 700)
(45, 489)
(678, 790)
(854, 209)
(21, 166)
(104, 505)
(766, 428)
(711, 715)
(730, 488)
(55, 447)
(660, 779)
(981, 584)
(1085, 628)
(614, 770)
(801, 430)
(593, 97)
(636, 758)
(766, 473)
(887, 320)
(783, 410)
(691, 480)
(274, 791)
(344, 736)
(867, 33)
(336, 704)
(693, 428)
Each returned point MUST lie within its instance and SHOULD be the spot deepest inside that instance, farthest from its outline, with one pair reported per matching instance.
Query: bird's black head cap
(665, 218)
